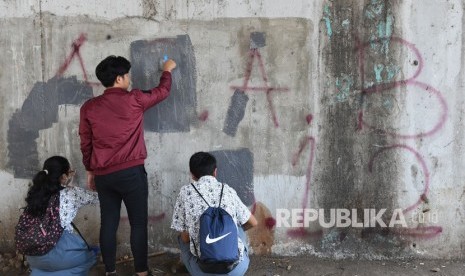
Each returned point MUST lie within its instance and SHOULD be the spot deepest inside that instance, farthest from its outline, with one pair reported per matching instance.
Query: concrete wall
(307, 104)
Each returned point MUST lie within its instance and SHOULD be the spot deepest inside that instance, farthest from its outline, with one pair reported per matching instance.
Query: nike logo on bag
(208, 240)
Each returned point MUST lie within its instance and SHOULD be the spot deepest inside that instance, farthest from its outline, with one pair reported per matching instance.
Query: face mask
(68, 181)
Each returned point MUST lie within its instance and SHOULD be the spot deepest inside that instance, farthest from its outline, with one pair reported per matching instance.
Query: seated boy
(190, 206)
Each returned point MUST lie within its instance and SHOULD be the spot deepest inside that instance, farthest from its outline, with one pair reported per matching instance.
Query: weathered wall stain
(344, 184)
(419, 231)
(343, 178)
(376, 53)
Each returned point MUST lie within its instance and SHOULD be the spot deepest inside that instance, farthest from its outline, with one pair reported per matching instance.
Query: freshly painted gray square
(257, 40)
(175, 113)
(235, 168)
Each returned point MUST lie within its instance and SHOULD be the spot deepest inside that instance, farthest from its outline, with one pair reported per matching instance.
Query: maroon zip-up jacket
(111, 127)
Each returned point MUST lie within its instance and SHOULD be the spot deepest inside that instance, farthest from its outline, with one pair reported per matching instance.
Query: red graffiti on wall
(255, 53)
(411, 81)
(309, 118)
(418, 232)
(270, 222)
(75, 52)
(308, 141)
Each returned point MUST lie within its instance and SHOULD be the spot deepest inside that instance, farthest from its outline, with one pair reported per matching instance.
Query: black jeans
(130, 186)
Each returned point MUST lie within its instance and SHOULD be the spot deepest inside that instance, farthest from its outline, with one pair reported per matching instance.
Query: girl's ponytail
(45, 183)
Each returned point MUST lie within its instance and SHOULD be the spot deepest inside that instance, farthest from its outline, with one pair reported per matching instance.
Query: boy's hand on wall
(169, 65)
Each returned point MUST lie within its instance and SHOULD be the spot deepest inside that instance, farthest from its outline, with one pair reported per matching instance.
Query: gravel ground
(168, 264)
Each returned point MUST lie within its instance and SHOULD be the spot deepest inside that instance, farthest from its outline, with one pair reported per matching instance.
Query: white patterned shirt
(190, 206)
(71, 199)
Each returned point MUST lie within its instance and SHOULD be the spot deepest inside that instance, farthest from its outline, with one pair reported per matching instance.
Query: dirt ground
(168, 264)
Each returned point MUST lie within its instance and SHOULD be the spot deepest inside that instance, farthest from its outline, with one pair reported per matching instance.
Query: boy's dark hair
(110, 68)
(201, 164)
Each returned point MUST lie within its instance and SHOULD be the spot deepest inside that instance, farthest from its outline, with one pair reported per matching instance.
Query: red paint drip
(309, 140)
(203, 116)
(270, 222)
(309, 118)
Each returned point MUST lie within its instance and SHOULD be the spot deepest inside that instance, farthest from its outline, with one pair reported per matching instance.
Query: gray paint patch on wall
(40, 111)
(257, 40)
(235, 113)
(176, 112)
(235, 168)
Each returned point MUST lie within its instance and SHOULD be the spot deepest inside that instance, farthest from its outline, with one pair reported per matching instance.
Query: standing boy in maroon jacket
(113, 149)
